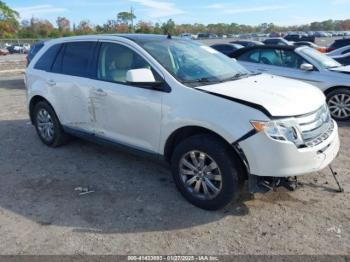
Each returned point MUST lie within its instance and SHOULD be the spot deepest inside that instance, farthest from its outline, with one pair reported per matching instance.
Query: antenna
(132, 19)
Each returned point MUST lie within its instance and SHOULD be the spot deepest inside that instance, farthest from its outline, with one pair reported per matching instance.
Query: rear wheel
(338, 102)
(204, 172)
(48, 126)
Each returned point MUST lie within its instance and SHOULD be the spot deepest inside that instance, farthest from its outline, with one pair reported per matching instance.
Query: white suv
(178, 100)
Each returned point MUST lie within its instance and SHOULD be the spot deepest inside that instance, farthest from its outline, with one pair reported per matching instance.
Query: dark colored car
(299, 38)
(339, 43)
(34, 50)
(247, 43)
(206, 36)
(227, 49)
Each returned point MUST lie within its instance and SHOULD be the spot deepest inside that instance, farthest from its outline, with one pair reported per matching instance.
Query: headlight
(282, 130)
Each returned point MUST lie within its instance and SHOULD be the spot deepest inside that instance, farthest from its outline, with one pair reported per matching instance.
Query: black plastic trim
(115, 144)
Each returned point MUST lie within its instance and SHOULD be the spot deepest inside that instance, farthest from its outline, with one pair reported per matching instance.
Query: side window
(291, 59)
(115, 60)
(46, 60)
(345, 51)
(271, 57)
(77, 58)
(251, 56)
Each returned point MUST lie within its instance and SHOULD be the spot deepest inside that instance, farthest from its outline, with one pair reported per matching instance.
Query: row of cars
(288, 35)
(328, 71)
(14, 49)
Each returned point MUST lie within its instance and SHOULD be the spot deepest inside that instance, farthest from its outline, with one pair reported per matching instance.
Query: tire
(57, 137)
(214, 150)
(338, 102)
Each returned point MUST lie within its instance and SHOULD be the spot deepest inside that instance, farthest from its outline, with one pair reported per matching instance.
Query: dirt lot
(136, 209)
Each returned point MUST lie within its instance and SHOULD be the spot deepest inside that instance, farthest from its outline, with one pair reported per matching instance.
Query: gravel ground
(136, 209)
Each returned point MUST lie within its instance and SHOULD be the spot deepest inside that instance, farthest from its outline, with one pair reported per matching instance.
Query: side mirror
(142, 77)
(306, 67)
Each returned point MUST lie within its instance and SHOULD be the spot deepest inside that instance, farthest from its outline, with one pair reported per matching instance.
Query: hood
(278, 95)
(341, 69)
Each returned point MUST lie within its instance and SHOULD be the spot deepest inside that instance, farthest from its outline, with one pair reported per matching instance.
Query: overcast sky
(251, 12)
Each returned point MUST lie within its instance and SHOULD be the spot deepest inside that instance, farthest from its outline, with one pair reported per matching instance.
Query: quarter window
(46, 60)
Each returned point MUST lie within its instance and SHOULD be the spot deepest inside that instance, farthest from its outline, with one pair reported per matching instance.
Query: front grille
(315, 127)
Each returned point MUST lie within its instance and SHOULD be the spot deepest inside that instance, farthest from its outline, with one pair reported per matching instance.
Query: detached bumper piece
(259, 184)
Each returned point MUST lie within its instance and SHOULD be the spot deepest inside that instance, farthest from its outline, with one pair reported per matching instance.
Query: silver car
(306, 64)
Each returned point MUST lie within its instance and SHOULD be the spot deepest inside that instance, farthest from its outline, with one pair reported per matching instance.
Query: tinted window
(270, 57)
(46, 60)
(251, 56)
(291, 59)
(115, 60)
(77, 58)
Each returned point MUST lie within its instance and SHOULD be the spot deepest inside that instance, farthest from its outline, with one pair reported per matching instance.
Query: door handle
(51, 82)
(100, 92)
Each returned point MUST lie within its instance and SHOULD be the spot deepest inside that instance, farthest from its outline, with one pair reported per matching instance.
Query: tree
(8, 20)
(84, 27)
(63, 24)
(125, 17)
(144, 27)
(169, 27)
(6, 13)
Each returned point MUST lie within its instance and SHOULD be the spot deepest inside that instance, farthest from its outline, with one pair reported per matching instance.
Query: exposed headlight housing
(281, 130)
(306, 130)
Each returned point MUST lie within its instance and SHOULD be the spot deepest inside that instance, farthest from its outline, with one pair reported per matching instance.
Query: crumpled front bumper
(268, 157)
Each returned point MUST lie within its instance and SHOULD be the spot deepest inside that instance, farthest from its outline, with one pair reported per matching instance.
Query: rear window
(46, 60)
(77, 58)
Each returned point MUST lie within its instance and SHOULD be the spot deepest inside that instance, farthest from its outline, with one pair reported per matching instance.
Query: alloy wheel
(45, 125)
(339, 106)
(200, 174)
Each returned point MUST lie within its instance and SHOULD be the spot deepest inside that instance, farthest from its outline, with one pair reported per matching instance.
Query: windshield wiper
(236, 76)
(201, 80)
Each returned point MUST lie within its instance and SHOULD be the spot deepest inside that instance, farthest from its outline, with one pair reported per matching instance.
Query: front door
(124, 113)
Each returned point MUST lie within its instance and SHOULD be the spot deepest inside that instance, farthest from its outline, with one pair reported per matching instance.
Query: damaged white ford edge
(212, 120)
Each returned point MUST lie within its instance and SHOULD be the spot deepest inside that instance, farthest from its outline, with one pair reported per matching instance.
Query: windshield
(323, 60)
(193, 63)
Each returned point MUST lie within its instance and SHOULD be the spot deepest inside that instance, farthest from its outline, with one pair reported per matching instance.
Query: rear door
(71, 84)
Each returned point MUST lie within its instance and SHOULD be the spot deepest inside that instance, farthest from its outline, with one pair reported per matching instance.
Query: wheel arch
(33, 102)
(185, 132)
(327, 91)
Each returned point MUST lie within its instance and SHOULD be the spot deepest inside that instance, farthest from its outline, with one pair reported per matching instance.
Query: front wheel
(338, 102)
(204, 172)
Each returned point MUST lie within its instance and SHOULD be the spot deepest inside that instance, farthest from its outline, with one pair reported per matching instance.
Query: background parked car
(339, 43)
(277, 41)
(340, 51)
(227, 49)
(206, 36)
(306, 64)
(247, 43)
(343, 59)
(297, 37)
(19, 48)
(4, 51)
(312, 45)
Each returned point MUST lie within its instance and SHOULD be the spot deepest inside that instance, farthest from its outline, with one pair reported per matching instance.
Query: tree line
(11, 27)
